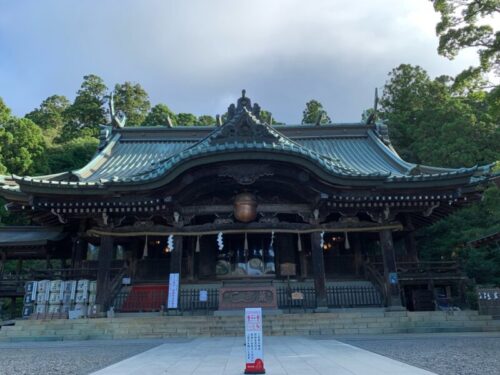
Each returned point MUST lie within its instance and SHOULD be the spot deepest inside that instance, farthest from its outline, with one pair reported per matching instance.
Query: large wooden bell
(245, 207)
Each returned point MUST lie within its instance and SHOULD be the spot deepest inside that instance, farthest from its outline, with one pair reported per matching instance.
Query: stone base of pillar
(395, 308)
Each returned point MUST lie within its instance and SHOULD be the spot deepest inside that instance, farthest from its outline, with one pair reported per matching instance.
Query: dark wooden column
(410, 243)
(389, 258)
(103, 266)
(358, 256)
(318, 264)
(79, 252)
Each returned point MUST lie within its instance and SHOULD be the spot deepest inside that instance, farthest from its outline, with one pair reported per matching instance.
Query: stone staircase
(342, 322)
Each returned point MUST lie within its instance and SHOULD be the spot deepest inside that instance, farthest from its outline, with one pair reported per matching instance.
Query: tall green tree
(4, 112)
(133, 100)
(50, 116)
(23, 147)
(469, 24)
(87, 111)
(205, 120)
(430, 124)
(313, 112)
(159, 115)
(71, 155)
(186, 119)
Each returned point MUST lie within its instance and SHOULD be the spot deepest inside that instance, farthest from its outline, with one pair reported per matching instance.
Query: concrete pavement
(286, 355)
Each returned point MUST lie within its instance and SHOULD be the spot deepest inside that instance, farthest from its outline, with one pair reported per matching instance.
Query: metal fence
(293, 298)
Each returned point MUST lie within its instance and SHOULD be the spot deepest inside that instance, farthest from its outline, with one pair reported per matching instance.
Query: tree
(87, 111)
(430, 124)
(205, 120)
(268, 118)
(461, 27)
(314, 110)
(158, 115)
(186, 119)
(4, 112)
(23, 147)
(133, 100)
(50, 116)
(72, 155)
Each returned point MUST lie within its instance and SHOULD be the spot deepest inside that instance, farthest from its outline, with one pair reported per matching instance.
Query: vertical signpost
(173, 291)
(253, 341)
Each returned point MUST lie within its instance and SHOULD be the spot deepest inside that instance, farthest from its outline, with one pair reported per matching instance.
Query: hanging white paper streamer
(272, 239)
(299, 243)
(170, 242)
(145, 251)
(197, 248)
(347, 244)
(220, 241)
(322, 240)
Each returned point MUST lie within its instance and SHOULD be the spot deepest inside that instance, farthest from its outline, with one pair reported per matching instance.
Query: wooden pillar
(19, 268)
(79, 252)
(410, 242)
(318, 264)
(358, 256)
(3, 259)
(390, 271)
(302, 258)
(103, 266)
(190, 259)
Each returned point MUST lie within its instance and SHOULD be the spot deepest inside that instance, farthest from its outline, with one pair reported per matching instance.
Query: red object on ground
(255, 368)
(146, 297)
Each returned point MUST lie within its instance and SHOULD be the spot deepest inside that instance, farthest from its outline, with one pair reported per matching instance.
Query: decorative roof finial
(170, 124)
(218, 120)
(243, 92)
(117, 119)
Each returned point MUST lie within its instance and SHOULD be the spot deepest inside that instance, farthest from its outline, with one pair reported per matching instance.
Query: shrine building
(327, 213)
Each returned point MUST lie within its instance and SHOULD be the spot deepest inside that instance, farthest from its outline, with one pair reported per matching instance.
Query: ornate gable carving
(244, 124)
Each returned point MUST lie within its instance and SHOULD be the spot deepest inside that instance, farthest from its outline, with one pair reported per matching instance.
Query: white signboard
(203, 295)
(173, 291)
(253, 341)
(33, 292)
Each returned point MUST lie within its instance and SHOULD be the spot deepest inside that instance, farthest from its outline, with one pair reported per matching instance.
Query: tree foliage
(462, 26)
(133, 100)
(159, 115)
(185, 119)
(23, 147)
(87, 111)
(313, 112)
(205, 120)
(71, 155)
(430, 124)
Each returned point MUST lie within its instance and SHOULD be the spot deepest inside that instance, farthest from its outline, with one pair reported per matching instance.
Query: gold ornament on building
(245, 207)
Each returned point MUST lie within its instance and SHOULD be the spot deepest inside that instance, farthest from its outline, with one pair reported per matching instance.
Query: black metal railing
(293, 298)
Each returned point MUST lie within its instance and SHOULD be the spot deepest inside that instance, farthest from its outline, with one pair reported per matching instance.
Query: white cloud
(195, 55)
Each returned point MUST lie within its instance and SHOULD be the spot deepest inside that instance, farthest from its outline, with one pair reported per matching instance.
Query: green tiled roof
(347, 151)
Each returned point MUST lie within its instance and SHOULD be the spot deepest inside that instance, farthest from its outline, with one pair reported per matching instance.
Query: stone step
(336, 323)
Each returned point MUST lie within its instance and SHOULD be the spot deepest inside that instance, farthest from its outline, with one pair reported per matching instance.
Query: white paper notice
(173, 291)
(253, 339)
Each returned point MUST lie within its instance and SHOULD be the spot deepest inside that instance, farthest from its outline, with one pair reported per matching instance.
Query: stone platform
(342, 322)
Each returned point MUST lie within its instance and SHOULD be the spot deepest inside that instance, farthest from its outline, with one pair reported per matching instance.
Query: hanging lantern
(245, 207)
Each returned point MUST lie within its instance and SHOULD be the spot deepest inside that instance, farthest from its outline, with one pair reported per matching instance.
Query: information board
(253, 341)
(173, 291)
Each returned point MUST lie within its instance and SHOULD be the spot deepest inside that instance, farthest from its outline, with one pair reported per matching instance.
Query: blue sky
(196, 56)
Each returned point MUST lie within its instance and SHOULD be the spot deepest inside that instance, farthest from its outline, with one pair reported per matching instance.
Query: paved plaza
(419, 354)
